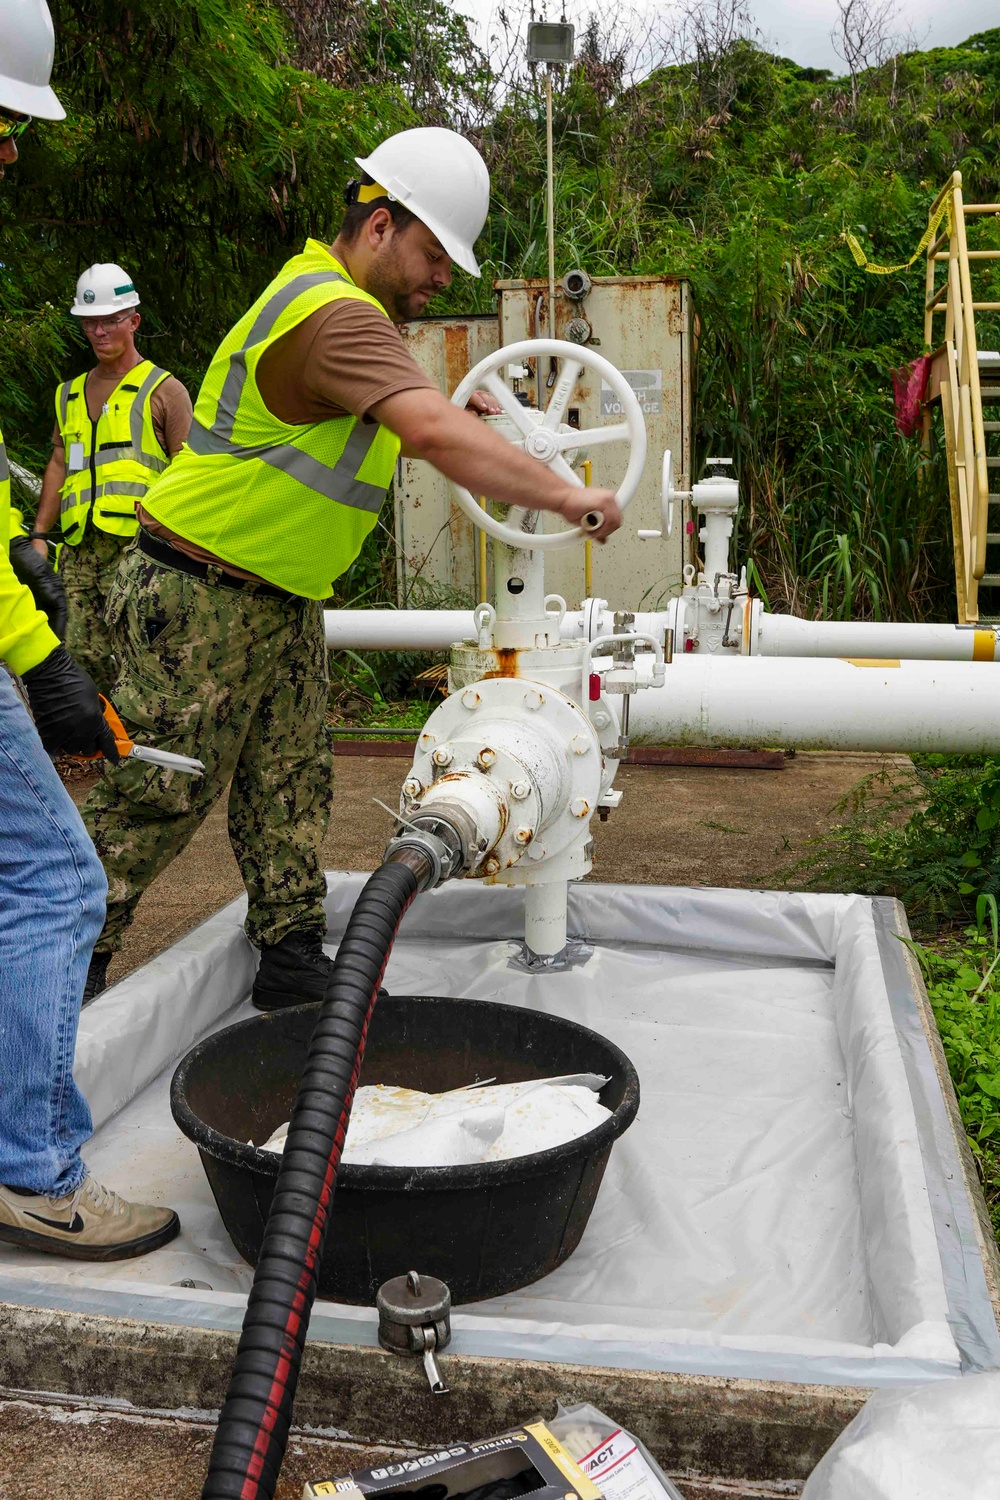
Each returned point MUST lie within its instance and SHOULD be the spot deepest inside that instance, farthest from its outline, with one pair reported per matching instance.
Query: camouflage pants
(88, 572)
(238, 680)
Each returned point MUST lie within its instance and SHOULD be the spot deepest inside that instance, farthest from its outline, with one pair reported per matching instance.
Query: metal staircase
(964, 382)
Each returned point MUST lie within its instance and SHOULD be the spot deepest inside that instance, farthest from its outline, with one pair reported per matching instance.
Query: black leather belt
(162, 552)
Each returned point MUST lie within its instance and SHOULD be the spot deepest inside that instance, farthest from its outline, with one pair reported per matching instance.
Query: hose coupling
(435, 845)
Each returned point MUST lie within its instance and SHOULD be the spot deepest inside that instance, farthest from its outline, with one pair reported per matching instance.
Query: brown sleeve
(170, 409)
(344, 358)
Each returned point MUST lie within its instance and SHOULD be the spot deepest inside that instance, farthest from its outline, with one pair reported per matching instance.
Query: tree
(864, 38)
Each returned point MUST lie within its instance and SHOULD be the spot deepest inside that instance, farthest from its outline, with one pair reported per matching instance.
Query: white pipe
(786, 635)
(820, 705)
(773, 635)
(545, 917)
(397, 629)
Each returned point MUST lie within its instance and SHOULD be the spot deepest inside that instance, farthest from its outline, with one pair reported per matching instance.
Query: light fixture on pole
(551, 43)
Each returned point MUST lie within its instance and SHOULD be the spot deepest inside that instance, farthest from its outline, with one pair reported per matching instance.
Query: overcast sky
(799, 29)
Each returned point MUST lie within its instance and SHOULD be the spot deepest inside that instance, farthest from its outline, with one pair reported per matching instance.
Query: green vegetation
(964, 989)
(928, 833)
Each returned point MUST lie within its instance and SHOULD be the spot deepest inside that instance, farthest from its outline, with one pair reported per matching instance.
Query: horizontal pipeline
(771, 635)
(820, 705)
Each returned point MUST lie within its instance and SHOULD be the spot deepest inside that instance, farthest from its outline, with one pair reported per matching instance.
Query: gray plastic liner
(789, 1204)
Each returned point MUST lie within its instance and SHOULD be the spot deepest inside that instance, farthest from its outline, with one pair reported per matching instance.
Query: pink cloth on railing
(909, 383)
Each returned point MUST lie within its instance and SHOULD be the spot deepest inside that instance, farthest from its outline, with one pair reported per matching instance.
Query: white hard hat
(441, 177)
(102, 290)
(27, 43)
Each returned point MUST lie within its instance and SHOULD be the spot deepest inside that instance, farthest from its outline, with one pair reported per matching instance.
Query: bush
(964, 993)
(928, 833)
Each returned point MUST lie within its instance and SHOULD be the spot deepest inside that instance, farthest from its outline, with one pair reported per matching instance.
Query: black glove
(41, 578)
(67, 709)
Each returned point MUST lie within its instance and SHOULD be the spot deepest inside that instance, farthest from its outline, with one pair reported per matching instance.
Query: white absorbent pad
(396, 1127)
(931, 1442)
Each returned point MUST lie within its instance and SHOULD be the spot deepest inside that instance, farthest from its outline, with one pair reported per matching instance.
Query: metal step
(990, 581)
(991, 426)
(992, 537)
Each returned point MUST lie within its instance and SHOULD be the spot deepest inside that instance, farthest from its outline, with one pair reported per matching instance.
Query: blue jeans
(52, 891)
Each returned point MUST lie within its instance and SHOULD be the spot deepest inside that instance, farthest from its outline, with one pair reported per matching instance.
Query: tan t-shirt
(169, 408)
(344, 358)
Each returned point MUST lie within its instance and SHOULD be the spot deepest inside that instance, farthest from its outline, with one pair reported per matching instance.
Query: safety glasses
(13, 126)
(95, 323)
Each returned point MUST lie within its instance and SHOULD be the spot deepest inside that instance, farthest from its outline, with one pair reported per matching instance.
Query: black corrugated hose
(253, 1425)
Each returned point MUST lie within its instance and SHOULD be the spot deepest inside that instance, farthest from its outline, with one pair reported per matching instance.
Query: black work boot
(97, 976)
(292, 972)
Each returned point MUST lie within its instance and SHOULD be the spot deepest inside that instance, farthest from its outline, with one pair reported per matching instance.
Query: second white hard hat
(103, 290)
(27, 43)
(441, 177)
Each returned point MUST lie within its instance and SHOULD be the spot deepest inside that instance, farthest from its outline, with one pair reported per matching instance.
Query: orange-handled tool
(129, 750)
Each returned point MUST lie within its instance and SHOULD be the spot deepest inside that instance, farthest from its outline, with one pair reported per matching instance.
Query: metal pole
(550, 206)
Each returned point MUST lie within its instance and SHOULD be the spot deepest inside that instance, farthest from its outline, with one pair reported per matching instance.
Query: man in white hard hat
(296, 433)
(51, 882)
(117, 428)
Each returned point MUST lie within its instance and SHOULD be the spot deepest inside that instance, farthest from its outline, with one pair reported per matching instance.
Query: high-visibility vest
(110, 463)
(4, 484)
(25, 636)
(292, 503)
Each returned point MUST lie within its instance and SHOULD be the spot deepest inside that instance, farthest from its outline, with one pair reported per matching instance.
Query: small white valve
(667, 497)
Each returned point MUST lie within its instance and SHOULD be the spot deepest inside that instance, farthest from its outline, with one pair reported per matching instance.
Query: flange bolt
(486, 758)
(519, 790)
(412, 787)
(443, 755)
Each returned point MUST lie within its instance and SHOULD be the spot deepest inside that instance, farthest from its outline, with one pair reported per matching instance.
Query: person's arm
(50, 498)
(171, 412)
(469, 452)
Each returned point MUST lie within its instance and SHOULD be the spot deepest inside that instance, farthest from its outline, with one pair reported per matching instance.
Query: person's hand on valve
(576, 506)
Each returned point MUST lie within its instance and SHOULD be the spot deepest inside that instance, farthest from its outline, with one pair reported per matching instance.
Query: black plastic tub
(484, 1229)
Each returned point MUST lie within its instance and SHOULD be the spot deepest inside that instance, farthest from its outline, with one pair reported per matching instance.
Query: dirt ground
(675, 826)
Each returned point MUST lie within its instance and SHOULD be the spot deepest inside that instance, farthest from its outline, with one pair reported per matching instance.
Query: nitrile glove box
(528, 1460)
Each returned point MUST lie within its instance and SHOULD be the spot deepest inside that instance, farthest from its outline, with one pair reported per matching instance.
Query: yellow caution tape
(943, 209)
(983, 645)
(869, 661)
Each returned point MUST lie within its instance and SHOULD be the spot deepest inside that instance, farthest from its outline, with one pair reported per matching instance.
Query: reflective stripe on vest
(291, 502)
(102, 473)
(338, 480)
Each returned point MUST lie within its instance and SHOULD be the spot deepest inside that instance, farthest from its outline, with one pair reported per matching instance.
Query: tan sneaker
(92, 1223)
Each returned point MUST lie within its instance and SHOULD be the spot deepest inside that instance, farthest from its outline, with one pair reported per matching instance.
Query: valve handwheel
(544, 440)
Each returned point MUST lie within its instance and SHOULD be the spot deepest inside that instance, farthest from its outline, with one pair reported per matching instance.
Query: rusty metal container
(642, 324)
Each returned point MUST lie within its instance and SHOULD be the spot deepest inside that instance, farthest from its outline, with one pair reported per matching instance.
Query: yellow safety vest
(25, 636)
(110, 463)
(290, 502)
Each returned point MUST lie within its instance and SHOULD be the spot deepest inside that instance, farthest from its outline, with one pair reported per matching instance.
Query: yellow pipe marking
(869, 661)
(983, 645)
